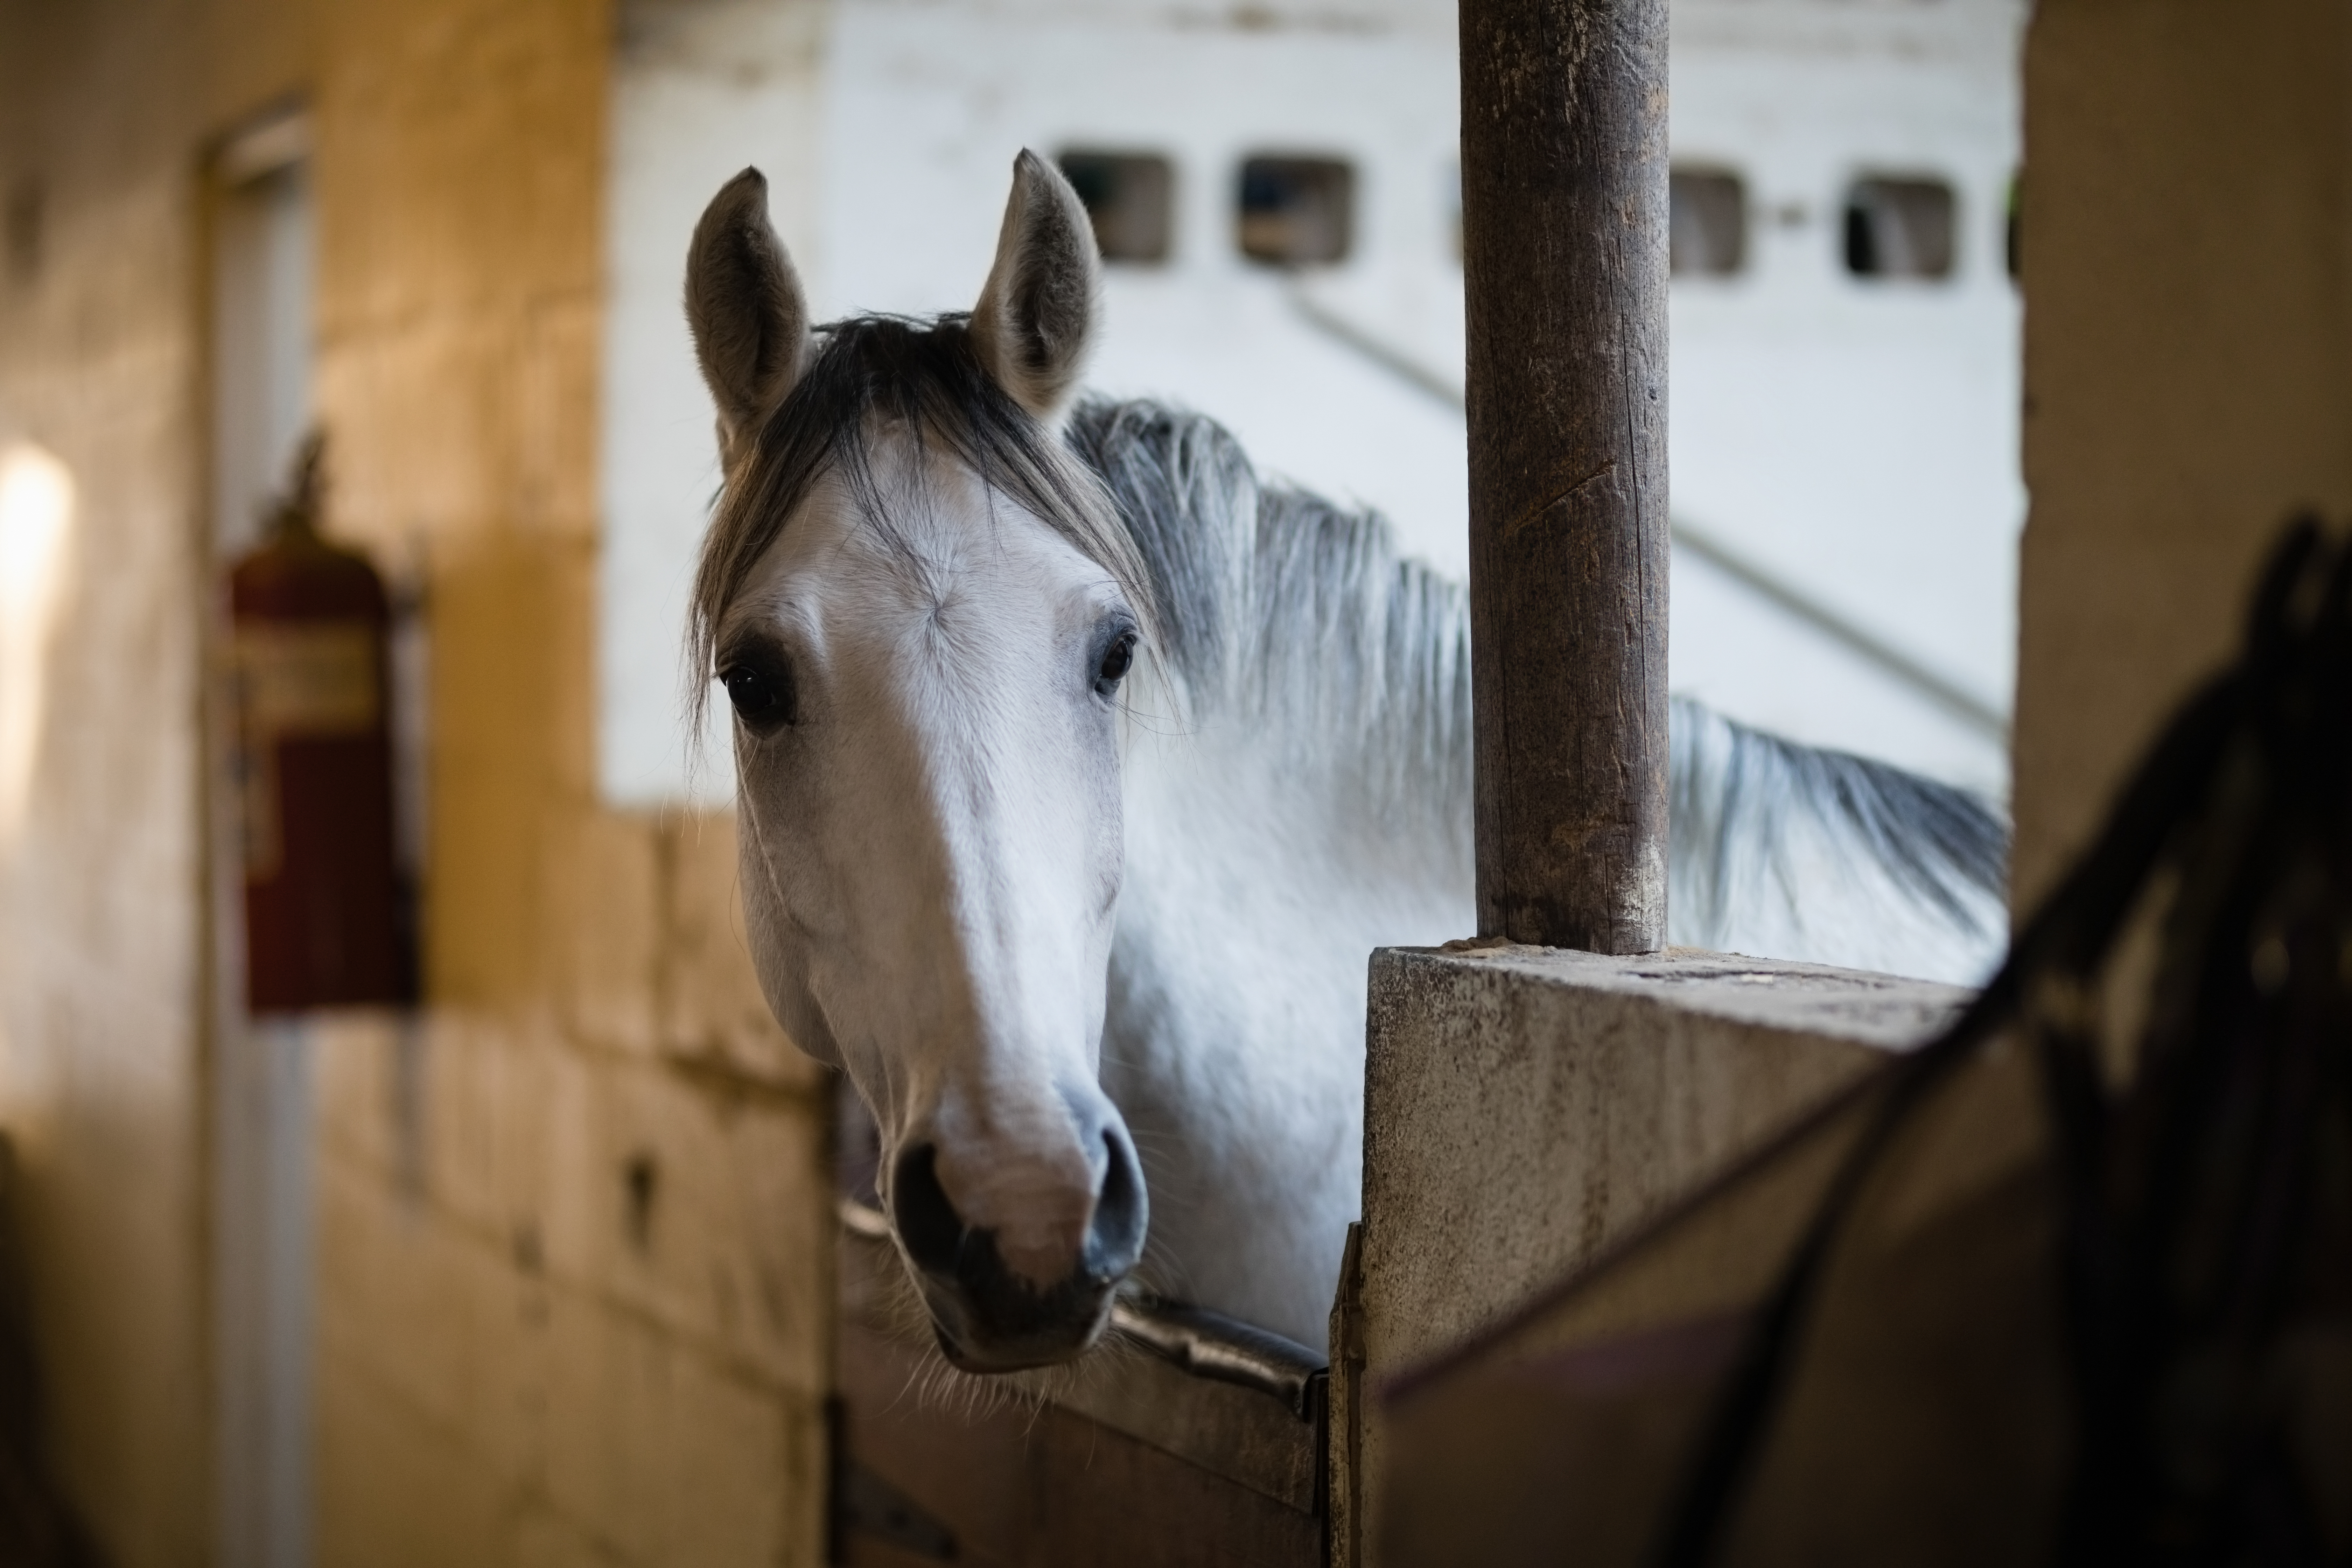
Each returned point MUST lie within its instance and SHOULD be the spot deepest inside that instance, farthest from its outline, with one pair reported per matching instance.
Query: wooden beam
(1564, 261)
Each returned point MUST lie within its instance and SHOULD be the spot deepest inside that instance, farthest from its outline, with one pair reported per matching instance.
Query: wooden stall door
(1123, 1461)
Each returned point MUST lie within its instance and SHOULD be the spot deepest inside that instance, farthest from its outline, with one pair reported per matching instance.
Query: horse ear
(1036, 316)
(744, 306)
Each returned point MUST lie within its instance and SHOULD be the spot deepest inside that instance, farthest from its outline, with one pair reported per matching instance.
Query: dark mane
(921, 380)
(1736, 789)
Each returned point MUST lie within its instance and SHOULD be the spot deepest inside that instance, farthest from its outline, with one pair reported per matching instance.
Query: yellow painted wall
(2188, 272)
(523, 1355)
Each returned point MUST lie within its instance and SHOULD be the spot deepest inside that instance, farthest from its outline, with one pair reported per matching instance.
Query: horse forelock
(873, 378)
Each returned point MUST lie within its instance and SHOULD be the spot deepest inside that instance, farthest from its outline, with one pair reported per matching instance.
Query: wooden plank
(1037, 1487)
(1121, 1459)
(967, 1470)
(1106, 1498)
(1564, 263)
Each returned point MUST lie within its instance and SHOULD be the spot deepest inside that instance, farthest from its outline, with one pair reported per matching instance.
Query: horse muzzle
(990, 1318)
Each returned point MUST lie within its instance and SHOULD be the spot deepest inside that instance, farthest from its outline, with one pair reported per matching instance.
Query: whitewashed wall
(1858, 439)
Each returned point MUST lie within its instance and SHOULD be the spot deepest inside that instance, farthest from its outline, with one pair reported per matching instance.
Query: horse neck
(1298, 795)
(1328, 683)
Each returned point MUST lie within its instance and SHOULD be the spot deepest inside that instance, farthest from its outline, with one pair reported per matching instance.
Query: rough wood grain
(1041, 1486)
(1564, 257)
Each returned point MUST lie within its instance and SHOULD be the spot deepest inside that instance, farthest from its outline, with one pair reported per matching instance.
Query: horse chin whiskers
(1019, 1348)
(939, 1385)
(892, 1304)
(896, 1311)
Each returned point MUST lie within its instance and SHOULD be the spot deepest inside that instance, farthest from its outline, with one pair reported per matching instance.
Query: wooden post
(1564, 261)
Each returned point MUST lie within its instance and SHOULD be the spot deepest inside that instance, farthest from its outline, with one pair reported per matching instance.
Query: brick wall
(573, 1243)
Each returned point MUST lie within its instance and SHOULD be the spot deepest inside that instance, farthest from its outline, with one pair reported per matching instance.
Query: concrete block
(1525, 1107)
(422, 1313)
(456, 185)
(510, 744)
(101, 932)
(671, 1455)
(703, 1209)
(395, 1488)
(606, 893)
(712, 1011)
(2161, 463)
(487, 1086)
(588, 1384)
(347, 1072)
(369, 1083)
(547, 1539)
(447, 1107)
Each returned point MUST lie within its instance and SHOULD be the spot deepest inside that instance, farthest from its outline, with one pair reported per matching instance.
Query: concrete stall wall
(2188, 266)
(100, 929)
(572, 1225)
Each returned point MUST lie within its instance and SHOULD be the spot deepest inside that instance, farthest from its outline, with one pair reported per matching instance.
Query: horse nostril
(992, 1315)
(929, 1226)
(1115, 1242)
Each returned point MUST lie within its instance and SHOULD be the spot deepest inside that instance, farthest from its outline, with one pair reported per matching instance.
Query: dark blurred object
(2053, 1288)
(1297, 212)
(37, 1530)
(1706, 223)
(311, 631)
(1899, 228)
(1129, 197)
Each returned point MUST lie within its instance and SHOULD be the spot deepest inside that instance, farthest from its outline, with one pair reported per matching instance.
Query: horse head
(921, 610)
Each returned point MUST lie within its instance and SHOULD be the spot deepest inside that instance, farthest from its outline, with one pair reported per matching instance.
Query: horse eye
(760, 688)
(1117, 660)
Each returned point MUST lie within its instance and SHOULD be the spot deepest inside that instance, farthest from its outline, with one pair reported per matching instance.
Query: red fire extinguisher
(310, 639)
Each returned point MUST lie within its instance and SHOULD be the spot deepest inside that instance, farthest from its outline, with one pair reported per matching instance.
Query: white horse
(1079, 773)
